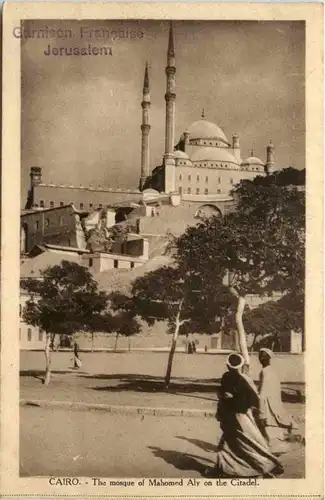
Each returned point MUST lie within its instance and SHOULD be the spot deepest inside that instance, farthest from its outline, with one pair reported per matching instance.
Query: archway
(208, 210)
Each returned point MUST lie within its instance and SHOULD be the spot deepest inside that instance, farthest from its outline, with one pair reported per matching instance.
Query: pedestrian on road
(77, 361)
(242, 450)
(274, 420)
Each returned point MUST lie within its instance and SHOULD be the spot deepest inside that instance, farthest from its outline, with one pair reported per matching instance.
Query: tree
(257, 249)
(169, 293)
(66, 299)
(124, 321)
(275, 318)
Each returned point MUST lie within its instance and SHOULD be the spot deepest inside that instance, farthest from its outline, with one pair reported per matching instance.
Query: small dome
(252, 160)
(213, 154)
(203, 129)
(180, 154)
(149, 194)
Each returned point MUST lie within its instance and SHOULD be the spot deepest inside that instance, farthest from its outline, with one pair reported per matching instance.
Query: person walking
(274, 421)
(242, 450)
(77, 361)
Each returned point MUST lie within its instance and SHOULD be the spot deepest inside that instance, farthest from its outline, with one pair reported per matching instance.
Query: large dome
(213, 154)
(203, 129)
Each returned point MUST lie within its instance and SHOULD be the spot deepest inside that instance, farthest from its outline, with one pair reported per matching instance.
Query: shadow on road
(180, 386)
(149, 384)
(41, 373)
(291, 392)
(201, 444)
(182, 461)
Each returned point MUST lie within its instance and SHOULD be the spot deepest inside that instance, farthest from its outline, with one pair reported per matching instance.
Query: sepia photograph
(162, 250)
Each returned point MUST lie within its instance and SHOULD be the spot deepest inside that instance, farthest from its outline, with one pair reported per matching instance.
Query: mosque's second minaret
(170, 96)
(145, 129)
(270, 165)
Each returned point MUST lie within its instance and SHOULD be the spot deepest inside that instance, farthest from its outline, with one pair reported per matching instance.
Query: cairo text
(89, 50)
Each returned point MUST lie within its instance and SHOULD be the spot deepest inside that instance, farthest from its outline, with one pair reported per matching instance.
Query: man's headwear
(235, 360)
(267, 351)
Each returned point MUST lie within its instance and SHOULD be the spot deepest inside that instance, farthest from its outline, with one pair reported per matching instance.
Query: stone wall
(55, 226)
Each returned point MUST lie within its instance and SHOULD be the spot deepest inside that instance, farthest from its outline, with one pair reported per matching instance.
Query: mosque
(201, 167)
(203, 162)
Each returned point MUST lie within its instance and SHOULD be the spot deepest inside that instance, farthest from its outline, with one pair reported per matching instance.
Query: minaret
(145, 129)
(270, 165)
(236, 147)
(170, 96)
(35, 176)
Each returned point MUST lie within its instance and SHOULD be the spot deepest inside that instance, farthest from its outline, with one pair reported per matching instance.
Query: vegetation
(168, 294)
(257, 249)
(65, 300)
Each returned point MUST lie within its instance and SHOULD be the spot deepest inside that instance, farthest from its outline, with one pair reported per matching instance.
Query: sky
(81, 115)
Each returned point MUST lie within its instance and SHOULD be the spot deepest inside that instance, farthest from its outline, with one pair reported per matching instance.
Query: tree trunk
(116, 339)
(48, 360)
(241, 330)
(129, 344)
(254, 342)
(92, 341)
(178, 323)
(171, 355)
(222, 331)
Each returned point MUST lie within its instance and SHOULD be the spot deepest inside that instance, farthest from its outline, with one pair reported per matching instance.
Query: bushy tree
(124, 321)
(257, 249)
(64, 300)
(275, 318)
(170, 293)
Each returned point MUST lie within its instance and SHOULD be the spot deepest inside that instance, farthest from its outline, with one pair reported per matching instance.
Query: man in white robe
(275, 421)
